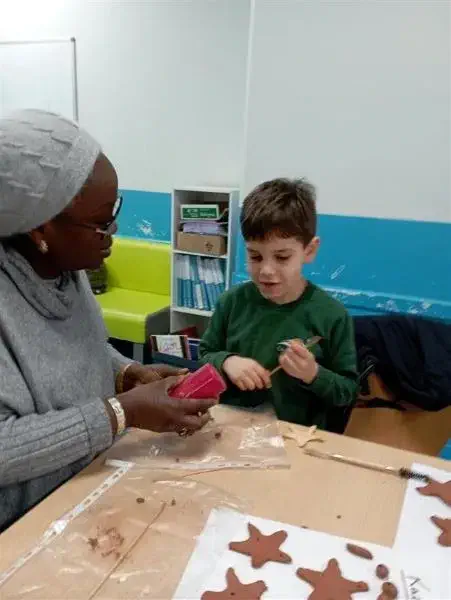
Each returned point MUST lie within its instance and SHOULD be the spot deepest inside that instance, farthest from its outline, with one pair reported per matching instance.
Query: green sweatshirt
(246, 324)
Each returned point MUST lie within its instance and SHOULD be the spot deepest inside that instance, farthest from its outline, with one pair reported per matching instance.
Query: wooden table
(322, 495)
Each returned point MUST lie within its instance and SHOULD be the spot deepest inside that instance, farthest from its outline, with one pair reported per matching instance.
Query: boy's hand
(246, 373)
(299, 362)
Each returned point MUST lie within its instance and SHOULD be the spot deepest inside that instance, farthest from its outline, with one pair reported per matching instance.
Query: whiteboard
(38, 75)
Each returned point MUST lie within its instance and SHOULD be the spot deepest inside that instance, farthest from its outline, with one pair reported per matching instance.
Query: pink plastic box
(206, 382)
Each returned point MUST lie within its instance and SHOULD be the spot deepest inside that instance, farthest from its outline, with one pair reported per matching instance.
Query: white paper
(309, 549)
(416, 539)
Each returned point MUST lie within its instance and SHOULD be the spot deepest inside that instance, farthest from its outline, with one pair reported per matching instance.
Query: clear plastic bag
(158, 561)
(76, 562)
(133, 542)
(235, 438)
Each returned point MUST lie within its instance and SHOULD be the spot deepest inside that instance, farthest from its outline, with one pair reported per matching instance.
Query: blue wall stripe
(360, 302)
(381, 265)
(145, 215)
(371, 265)
(446, 452)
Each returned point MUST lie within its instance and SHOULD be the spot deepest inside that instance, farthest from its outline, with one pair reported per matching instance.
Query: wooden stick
(308, 344)
(275, 370)
(352, 461)
(127, 554)
(193, 473)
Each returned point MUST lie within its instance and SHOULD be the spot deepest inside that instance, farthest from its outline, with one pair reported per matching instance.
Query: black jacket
(412, 355)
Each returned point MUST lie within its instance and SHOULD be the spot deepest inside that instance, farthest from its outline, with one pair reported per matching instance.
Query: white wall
(353, 94)
(161, 83)
(356, 96)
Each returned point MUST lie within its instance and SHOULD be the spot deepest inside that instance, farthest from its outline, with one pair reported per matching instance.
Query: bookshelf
(199, 275)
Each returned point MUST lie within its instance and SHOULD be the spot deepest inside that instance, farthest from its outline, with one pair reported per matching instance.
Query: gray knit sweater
(55, 369)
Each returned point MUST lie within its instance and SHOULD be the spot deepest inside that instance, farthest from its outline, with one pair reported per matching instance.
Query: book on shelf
(191, 331)
(174, 345)
(200, 281)
(193, 344)
(179, 345)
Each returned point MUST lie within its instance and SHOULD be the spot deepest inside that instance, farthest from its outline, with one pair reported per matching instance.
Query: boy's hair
(282, 207)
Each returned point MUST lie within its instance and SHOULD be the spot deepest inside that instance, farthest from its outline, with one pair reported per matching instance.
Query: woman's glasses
(109, 228)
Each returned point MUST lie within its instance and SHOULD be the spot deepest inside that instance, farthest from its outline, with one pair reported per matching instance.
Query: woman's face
(74, 238)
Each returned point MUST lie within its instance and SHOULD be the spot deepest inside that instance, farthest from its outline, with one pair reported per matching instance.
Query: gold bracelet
(120, 378)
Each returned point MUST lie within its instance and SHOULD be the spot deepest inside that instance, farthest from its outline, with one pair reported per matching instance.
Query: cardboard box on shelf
(216, 245)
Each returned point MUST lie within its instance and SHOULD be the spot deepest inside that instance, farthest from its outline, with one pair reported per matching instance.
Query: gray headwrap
(45, 160)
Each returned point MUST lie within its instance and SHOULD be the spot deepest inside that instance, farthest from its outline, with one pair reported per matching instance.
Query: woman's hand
(149, 406)
(138, 374)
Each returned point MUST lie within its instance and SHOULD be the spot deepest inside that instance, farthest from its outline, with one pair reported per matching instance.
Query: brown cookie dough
(389, 590)
(437, 489)
(329, 584)
(93, 542)
(236, 590)
(262, 548)
(445, 525)
(359, 551)
(382, 572)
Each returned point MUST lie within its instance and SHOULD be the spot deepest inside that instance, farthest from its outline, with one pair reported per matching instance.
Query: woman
(64, 392)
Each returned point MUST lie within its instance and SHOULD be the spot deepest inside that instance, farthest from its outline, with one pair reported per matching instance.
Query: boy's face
(275, 265)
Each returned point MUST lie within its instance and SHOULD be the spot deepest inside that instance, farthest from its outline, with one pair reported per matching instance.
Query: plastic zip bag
(235, 438)
(76, 563)
(158, 561)
(133, 542)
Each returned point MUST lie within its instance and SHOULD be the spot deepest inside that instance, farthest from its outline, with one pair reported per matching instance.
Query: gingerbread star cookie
(236, 590)
(445, 525)
(262, 548)
(437, 489)
(329, 584)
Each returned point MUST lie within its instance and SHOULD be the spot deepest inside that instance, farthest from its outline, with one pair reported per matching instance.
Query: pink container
(206, 382)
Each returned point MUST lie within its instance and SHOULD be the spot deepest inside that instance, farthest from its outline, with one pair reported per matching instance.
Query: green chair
(138, 297)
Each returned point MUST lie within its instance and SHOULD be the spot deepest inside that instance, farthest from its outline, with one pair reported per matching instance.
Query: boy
(278, 223)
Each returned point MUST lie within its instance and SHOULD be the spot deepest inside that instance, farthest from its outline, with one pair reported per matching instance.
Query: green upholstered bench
(138, 297)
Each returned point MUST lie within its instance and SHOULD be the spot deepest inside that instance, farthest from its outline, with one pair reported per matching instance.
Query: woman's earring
(43, 247)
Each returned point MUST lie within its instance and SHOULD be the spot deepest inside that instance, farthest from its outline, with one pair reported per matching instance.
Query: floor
(414, 430)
